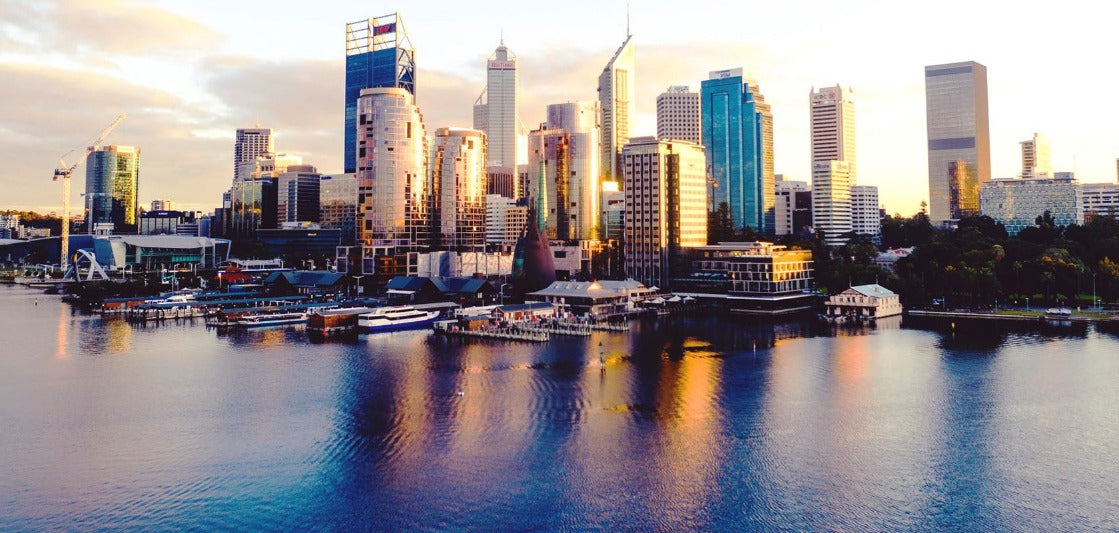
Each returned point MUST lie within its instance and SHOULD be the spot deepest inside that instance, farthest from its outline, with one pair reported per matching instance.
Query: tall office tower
(737, 128)
(1035, 158)
(963, 189)
(833, 126)
(297, 195)
(378, 54)
(789, 207)
(393, 193)
(831, 201)
(678, 115)
(495, 112)
(505, 220)
(958, 130)
(613, 211)
(163, 205)
(563, 172)
(616, 96)
(112, 180)
(866, 213)
(458, 190)
(251, 144)
(338, 204)
(665, 185)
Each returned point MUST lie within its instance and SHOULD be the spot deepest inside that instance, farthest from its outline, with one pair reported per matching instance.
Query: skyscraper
(958, 131)
(737, 128)
(338, 204)
(563, 172)
(665, 185)
(251, 144)
(495, 111)
(297, 195)
(458, 189)
(831, 200)
(678, 115)
(1035, 158)
(866, 213)
(793, 207)
(393, 195)
(378, 54)
(616, 97)
(112, 180)
(833, 126)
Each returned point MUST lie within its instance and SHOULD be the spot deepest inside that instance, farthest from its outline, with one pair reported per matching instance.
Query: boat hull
(367, 327)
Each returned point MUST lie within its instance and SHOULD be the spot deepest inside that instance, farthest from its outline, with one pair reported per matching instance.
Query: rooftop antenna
(502, 36)
(628, 33)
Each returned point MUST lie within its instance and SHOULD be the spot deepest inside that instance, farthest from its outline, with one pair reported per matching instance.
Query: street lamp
(1027, 304)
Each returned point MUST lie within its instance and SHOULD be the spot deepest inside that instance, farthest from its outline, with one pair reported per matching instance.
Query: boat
(270, 319)
(395, 318)
(336, 319)
(1059, 316)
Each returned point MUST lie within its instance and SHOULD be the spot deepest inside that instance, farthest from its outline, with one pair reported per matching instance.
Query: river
(703, 422)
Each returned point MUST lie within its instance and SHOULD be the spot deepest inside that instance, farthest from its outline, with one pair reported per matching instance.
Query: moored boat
(395, 318)
(270, 319)
(336, 319)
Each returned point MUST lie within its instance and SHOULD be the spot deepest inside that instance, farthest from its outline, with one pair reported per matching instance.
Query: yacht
(394, 318)
(270, 319)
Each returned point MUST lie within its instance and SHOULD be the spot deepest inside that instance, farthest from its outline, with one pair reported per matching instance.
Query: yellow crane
(63, 172)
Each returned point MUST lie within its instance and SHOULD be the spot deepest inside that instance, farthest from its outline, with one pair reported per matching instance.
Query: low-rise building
(1099, 199)
(863, 302)
(524, 312)
(594, 299)
(750, 277)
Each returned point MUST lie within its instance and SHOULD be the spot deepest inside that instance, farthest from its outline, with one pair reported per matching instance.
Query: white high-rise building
(831, 200)
(787, 206)
(833, 126)
(617, 98)
(678, 115)
(458, 189)
(1036, 161)
(495, 111)
(505, 220)
(866, 214)
(665, 185)
(393, 193)
(564, 170)
(251, 144)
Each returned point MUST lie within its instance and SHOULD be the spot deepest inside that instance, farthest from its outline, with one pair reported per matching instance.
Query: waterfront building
(959, 144)
(1036, 162)
(593, 299)
(678, 115)
(832, 115)
(1016, 203)
(378, 54)
(738, 137)
(613, 211)
(665, 185)
(563, 172)
(338, 204)
(866, 214)
(458, 189)
(617, 100)
(863, 302)
(299, 239)
(297, 195)
(251, 144)
(495, 111)
(153, 253)
(792, 208)
(448, 263)
(1099, 199)
(831, 201)
(749, 277)
(163, 205)
(505, 220)
(112, 181)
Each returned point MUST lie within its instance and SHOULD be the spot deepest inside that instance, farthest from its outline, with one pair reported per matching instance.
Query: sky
(188, 74)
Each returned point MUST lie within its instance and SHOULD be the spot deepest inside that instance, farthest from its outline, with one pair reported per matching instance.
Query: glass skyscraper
(378, 54)
(112, 179)
(959, 138)
(737, 129)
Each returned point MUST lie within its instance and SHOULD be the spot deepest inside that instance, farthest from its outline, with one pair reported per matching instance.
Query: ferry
(335, 319)
(270, 319)
(395, 318)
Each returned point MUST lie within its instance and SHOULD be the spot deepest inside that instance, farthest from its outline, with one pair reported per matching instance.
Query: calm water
(693, 423)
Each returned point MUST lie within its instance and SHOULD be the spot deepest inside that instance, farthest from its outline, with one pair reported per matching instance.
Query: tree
(720, 227)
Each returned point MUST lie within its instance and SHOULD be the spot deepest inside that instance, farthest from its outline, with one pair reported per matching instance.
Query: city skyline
(193, 78)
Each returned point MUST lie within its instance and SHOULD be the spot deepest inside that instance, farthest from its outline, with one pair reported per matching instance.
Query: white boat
(395, 318)
(270, 319)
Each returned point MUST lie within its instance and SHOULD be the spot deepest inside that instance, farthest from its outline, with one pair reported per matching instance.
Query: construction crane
(63, 172)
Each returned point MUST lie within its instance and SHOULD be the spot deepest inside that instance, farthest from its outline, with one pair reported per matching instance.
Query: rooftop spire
(628, 33)
(502, 36)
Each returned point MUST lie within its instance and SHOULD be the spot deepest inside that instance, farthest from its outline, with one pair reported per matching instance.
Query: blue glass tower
(737, 131)
(378, 54)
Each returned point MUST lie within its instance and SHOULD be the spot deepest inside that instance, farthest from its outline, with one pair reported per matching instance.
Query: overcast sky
(189, 73)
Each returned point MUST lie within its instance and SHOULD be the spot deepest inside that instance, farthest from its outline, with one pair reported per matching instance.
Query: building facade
(1036, 160)
(505, 220)
(378, 54)
(564, 170)
(1016, 203)
(678, 115)
(297, 195)
(792, 208)
(831, 201)
(665, 185)
(1099, 199)
(338, 205)
(495, 111)
(458, 189)
(750, 277)
(737, 130)
(613, 211)
(866, 213)
(163, 205)
(832, 114)
(251, 144)
(617, 99)
(958, 132)
(112, 181)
